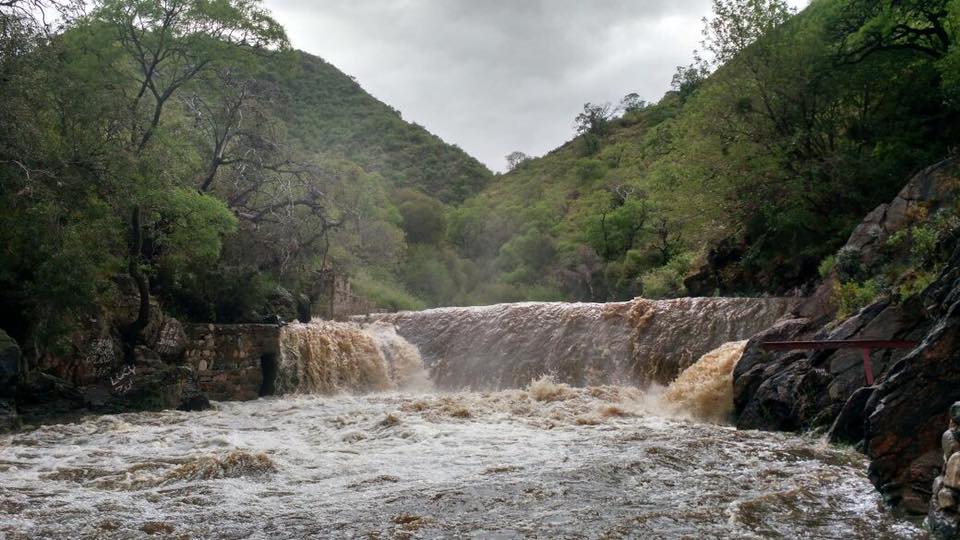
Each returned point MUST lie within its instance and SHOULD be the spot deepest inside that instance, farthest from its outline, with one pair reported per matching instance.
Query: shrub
(667, 280)
(849, 264)
(826, 266)
(590, 169)
(384, 294)
(850, 297)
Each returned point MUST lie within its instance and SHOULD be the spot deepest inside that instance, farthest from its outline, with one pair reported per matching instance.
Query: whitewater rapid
(546, 461)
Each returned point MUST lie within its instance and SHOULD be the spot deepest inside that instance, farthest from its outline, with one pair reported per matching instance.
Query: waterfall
(333, 357)
(705, 389)
(636, 342)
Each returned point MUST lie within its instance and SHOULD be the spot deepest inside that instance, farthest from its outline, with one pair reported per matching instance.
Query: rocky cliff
(897, 421)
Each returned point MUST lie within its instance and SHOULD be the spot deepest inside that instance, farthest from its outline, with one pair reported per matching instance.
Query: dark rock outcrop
(9, 364)
(897, 422)
(807, 390)
(43, 396)
(907, 413)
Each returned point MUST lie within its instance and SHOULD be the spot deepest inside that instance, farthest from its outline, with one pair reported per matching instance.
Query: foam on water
(548, 459)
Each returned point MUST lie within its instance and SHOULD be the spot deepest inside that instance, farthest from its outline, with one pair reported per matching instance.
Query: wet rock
(42, 396)
(849, 426)
(949, 444)
(951, 473)
(9, 419)
(756, 365)
(148, 385)
(907, 415)
(196, 402)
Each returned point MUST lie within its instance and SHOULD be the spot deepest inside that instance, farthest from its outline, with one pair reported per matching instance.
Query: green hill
(328, 112)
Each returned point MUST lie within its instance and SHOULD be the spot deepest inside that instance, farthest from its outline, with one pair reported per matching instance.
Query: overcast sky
(494, 76)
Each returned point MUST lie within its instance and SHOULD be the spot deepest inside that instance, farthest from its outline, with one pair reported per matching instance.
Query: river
(384, 452)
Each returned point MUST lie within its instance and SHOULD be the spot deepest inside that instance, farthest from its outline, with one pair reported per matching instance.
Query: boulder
(943, 517)
(946, 498)
(951, 473)
(196, 402)
(147, 385)
(170, 339)
(949, 444)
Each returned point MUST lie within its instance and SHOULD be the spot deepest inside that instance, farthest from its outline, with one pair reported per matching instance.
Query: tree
(595, 119)
(514, 159)
(865, 27)
(424, 220)
(170, 44)
(736, 24)
(632, 103)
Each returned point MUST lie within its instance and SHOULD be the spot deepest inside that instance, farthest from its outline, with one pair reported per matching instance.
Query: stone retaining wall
(230, 360)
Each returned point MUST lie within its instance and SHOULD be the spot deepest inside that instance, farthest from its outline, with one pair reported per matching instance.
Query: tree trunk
(132, 333)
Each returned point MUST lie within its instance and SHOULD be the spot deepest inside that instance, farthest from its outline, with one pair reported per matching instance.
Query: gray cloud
(494, 76)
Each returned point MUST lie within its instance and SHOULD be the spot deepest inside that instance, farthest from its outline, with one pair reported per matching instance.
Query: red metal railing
(865, 345)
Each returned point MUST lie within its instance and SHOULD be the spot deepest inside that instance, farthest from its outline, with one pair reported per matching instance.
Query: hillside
(328, 112)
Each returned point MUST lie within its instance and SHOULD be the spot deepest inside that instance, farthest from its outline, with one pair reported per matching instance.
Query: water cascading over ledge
(487, 347)
(635, 342)
(240, 362)
(334, 357)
